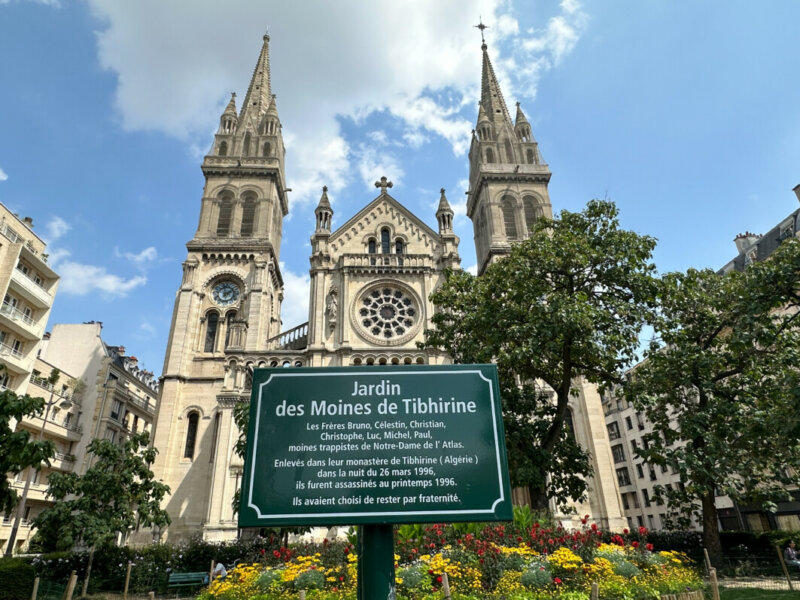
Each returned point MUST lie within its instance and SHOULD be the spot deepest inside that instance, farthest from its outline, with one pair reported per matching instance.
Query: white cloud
(55, 229)
(147, 330)
(80, 280)
(142, 259)
(374, 164)
(3, 175)
(472, 269)
(294, 308)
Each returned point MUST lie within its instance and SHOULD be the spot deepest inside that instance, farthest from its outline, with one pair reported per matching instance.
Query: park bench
(189, 580)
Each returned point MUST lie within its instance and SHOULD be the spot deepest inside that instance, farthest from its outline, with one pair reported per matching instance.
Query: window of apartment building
(652, 473)
(623, 477)
(613, 431)
(634, 447)
(651, 521)
(640, 520)
(663, 519)
(111, 435)
(630, 522)
(116, 410)
(628, 423)
(618, 452)
(640, 471)
(625, 501)
(635, 498)
(664, 468)
(646, 497)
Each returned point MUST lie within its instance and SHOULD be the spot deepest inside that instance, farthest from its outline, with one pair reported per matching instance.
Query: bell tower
(227, 307)
(507, 176)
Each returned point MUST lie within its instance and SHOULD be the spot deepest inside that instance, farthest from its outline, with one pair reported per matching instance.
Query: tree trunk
(88, 572)
(539, 500)
(711, 529)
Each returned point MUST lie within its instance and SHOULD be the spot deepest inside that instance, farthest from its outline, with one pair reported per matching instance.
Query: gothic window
(398, 249)
(509, 218)
(489, 155)
(387, 313)
(569, 425)
(531, 156)
(212, 323)
(532, 211)
(225, 214)
(248, 216)
(191, 434)
(246, 146)
(267, 149)
(214, 436)
(509, 152)
(223, 149)
(371, 248)
(384, 241)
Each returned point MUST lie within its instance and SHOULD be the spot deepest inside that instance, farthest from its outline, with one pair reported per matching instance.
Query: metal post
(783, 566)
(376, 563)
(127, 582)
(24, 499)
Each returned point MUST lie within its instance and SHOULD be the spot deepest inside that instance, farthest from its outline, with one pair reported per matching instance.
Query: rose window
(387, 313)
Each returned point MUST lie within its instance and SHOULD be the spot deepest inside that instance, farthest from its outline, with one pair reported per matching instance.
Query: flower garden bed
(495, 562)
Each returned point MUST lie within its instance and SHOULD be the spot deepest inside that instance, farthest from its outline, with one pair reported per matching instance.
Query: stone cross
(383, 184)
(481, 26)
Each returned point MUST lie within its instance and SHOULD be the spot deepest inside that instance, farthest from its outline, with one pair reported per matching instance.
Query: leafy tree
(565, 306)
(721, 387)
(17, 451)
(117, 494)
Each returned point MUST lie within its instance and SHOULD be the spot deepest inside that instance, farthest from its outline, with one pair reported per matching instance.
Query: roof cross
(481, 26)
(383, 184)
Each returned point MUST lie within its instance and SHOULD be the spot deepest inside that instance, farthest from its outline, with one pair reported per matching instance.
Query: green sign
(359, 445)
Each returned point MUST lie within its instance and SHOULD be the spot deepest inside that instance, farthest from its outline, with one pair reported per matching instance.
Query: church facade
(370, 282)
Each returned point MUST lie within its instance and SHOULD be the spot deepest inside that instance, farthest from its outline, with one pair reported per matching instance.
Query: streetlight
(66, 405)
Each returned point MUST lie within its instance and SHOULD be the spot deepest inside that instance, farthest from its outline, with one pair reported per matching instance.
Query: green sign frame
(375, 445)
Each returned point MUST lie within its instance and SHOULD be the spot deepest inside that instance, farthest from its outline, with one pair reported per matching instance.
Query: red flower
(439, 579)
(649, 547)
(642, 530)
(635, 544)
(430, 571)
(341, 578)
(594, 526)
(413, 551)
(346, 550)
(557, 581)
(276, 553)
(625, 531)
(263, 552)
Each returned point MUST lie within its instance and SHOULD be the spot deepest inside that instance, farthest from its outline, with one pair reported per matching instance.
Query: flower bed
(494, 562)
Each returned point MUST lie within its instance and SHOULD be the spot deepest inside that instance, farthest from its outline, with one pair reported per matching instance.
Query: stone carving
(332, 306)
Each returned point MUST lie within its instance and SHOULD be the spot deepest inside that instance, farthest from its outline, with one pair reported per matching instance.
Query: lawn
(756, 594)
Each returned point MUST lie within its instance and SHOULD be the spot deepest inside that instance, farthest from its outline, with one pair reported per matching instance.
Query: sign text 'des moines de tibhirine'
(361, 445)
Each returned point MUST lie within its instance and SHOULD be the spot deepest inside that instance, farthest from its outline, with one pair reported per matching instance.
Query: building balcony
(23, 325)
(29, 289)
(71, 432)
(134, 403)
(383, 262)
(63, 462)
(15, 360)
(47, 387)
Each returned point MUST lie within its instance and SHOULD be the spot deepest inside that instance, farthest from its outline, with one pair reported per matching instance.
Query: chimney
(797, 191)
(29, 222)
(744, 240)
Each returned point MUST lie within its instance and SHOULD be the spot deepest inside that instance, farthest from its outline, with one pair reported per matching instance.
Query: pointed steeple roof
(491, 97)
(520, 116)
(444, 205)
(259, 94)
(323, 201)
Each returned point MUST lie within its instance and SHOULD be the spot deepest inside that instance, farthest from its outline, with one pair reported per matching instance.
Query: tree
(117, 494)
(720, 385)
(17, 451)
(566, 305)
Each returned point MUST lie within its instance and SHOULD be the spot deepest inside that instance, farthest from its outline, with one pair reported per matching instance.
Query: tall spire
(259, 94)
(491, 96)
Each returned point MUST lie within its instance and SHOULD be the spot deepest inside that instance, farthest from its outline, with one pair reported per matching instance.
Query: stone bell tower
(228, 304)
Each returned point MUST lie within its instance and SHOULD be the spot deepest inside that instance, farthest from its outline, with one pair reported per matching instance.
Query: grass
(756, 594)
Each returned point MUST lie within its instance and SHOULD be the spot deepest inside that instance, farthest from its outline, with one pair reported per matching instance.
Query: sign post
(375, 446)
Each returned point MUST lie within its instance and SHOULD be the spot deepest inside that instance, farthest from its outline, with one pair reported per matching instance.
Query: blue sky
(687, 115)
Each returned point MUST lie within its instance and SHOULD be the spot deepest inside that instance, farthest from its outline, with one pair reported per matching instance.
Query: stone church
(371, 278)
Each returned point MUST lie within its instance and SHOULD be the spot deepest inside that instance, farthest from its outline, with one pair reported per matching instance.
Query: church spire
(491, 97)
(259, 94)
(444, 214)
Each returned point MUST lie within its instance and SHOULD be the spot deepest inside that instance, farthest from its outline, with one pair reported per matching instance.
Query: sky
(685, 114)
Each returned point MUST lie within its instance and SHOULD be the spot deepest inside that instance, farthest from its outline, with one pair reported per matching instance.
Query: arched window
(531, 156)
(246, 145)
(509, 219)
(267, 149)
(223, 149)
(225, 213)
(212, 324)
(248, 216)
(569, 425)
(371, 248)
(532, 211)
(191, 434)
(489, 155)
(398, 249)
(384, 241)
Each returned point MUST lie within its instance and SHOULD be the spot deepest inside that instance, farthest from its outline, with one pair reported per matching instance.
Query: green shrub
(626, 569)
(312, 579)
(414, 578)
(16, 579)
(268, 578)
(537, 576)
